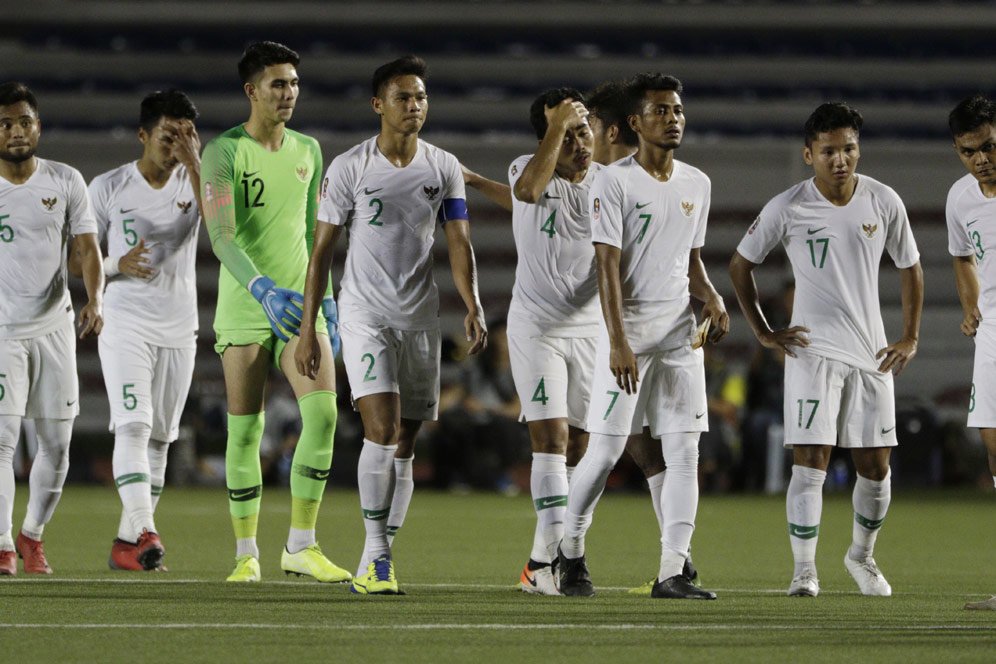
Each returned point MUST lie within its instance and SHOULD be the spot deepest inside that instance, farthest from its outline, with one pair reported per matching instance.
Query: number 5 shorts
(381, 359)
(553, 376)
(670, 397)
(38, 376)
(828, 402)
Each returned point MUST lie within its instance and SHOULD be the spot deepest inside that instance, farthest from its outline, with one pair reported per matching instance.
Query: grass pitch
(458, 557)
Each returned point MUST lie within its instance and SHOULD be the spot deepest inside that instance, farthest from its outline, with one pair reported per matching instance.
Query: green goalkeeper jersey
(260, 213)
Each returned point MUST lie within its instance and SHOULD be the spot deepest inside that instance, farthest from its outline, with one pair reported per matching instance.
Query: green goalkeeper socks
(242, 471)
(312, 457)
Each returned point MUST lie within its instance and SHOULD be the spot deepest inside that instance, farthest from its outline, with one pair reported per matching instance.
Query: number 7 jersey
(835, 252)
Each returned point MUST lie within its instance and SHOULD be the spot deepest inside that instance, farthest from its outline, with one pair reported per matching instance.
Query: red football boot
(8, 563)
(150, 550)
(124, 556)
(32, 552)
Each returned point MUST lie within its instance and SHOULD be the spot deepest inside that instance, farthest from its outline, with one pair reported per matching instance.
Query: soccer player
(42, 203)
(838, 382)
(648, 216)
(148, 211)
(259, 187)
(553, 317)
(971, 218)
(391, 190)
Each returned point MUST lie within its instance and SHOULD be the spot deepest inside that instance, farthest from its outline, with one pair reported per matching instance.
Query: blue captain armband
(453, 208)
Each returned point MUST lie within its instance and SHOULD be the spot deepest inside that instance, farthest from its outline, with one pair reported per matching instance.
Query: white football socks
(10, 430)
(375, 477)
(679, 500)
(804, 507)
(404, 487)
(656, 485)
(586, 488)
(48, 474)
(548, 484)
(132, 476)
(871, 503)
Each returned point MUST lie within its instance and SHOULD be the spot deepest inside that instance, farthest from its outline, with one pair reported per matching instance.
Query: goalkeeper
(260, 192)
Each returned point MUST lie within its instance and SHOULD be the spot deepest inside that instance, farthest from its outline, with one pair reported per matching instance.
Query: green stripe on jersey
(804, 532)
(870, 524)
(130, 478)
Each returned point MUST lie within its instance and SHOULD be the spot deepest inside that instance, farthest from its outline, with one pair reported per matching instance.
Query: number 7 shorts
(670, 397)
(38, 376)
(381, 359)
(553, 376)
(145, 383)
(828, 402)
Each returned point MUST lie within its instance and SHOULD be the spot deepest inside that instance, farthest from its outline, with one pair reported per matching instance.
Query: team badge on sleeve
(869, 230)
(753, 227)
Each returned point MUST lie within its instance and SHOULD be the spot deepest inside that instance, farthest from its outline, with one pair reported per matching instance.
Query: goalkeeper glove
(281, 305)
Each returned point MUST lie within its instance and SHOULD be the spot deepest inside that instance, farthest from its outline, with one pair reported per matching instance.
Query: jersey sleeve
(98, 199)
(703, 219)
(605, 203)
(79, 212)
(217, 187)
(516, 167)
(899, 241)
(764, 234)
(959, 243)
(454, 201)
(336, 202)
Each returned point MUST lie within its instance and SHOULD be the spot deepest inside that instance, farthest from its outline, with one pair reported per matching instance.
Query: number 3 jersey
(835, 252)
(161, 311)
(971, 221)
(36, 221)
(655, 225)
(556, 287)
(391, 215)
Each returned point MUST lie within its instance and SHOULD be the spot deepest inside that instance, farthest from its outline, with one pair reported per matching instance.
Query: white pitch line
(662, 627)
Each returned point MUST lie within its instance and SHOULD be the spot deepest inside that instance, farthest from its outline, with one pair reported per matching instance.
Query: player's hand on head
(283, 306)
(568, 113)
(716, 310)
(186, 142)
(91, 319)
(896, 356)
(622, 362)
(308, 355)
(970, 324)
(477, 331)
(785, 339)
(135, 264)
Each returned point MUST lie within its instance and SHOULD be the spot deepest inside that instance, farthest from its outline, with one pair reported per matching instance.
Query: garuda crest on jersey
(687, 207)
(184, 206)
(49, 203)
(431, 192)
(869, 230)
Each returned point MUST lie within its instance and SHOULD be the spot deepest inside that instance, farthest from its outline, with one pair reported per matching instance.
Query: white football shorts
(828, 402)
(553, 376)
(145, 383)
(982, 401)
(382, 359)
(38, 376)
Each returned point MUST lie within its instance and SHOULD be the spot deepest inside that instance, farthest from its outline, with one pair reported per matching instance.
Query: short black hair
(830, 116)
(409, 65)
(13, 92)
(260, 55)
(171, 104)
(607, 102)
(549, 99)
(638, 86)
(971, 113)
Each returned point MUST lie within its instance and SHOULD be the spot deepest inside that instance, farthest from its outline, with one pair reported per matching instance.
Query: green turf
(459, 556)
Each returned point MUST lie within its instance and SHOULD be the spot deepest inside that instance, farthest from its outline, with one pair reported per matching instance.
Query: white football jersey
(556, 285)
(162, 310)
(36, 220)
(655, 225)
(391, 214)
(972, 231)
(835, 253)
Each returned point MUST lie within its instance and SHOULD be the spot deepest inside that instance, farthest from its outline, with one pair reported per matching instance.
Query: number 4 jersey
(162, 310)
(835, 253)
(36, 220)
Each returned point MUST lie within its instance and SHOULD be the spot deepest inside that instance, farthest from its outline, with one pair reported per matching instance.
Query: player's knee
(245, 431)
(319, 414)
(133, 434)
(385, 432)
(680, 451)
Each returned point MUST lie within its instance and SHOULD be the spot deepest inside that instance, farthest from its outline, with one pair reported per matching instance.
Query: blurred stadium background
(753, 70)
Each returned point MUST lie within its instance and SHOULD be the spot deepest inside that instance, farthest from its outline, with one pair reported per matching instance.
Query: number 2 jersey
(556, 286)
(162, 310)
(391, 215)
(971, 221)
(36, 220)
(835, 252)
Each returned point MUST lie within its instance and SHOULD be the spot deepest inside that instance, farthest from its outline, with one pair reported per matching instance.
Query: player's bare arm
(464, 269)
(967, 281)
(92, 267)
(742, 276)
(562, 120)
(896, 356)
(496, 192)
(701, 288)
(308, 355)
(622, 360)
